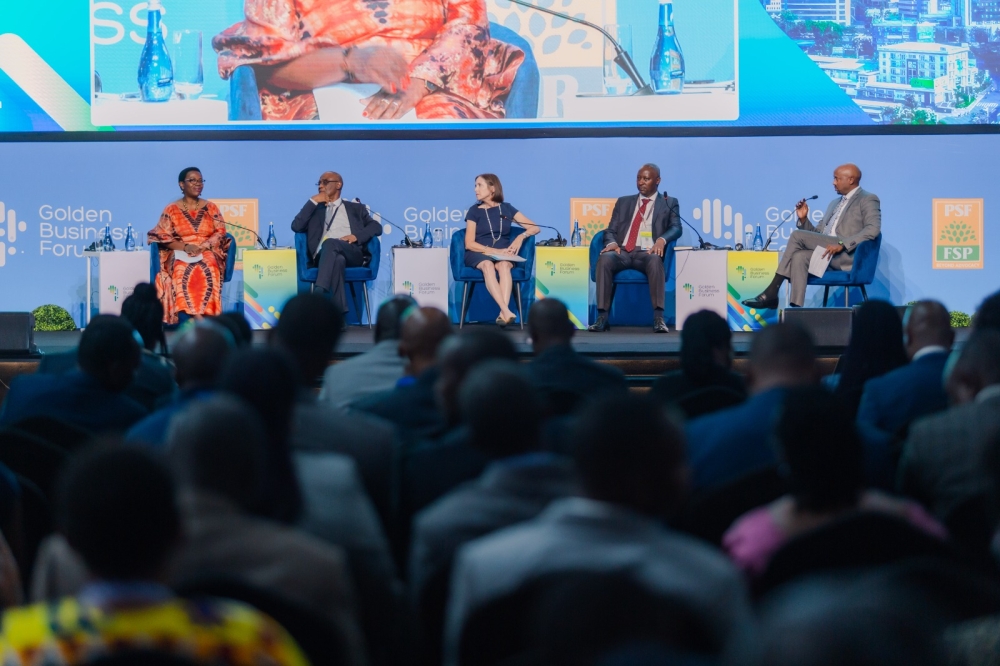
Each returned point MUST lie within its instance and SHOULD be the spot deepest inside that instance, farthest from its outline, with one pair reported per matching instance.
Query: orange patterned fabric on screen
(446, 42)
(193, 288)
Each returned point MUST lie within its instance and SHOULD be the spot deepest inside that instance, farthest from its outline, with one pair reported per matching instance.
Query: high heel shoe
(513, 318)
(501, 322)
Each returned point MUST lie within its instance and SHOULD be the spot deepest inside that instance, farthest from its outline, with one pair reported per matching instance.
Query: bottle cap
(154, 6)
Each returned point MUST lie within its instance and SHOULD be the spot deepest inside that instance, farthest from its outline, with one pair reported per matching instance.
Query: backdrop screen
(494, 64)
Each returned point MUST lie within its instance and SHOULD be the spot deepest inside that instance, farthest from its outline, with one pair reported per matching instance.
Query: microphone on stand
(558, 241)
(783, 220)
(622, 57)
(260, 240)
(406, 242)
(702, 243)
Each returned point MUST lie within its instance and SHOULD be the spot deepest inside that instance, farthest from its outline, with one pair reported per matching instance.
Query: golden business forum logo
(260, 271)
(9, 232)
(958, 233)
(743, 273)
(551, 265)
(408, 286)
(690, 290)
(113, 290)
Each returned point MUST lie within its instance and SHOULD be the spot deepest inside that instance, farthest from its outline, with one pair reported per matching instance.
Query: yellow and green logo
(743, 273)
(551, 265)
(260, 271)
(689, 289)
(113, 290)
(408, 286)
(958, 233)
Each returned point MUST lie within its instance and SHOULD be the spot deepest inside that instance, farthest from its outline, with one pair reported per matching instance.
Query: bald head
(927, 324)
(200, 355)
(421, 335)
(549, 324)
(846, 178)
(330, 184)
(978, 366)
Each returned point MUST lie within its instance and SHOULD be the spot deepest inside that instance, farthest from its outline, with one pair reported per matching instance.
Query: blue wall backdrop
(413, 181)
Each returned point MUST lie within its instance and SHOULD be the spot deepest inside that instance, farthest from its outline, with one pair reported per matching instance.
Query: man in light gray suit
(854, 217)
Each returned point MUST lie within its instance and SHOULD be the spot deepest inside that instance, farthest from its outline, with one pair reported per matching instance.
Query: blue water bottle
(156, 71)
(666, 67)
(758, 240)
(428, 238)
(272, 241)
(576, 238)
(107, 245)
(129, 239)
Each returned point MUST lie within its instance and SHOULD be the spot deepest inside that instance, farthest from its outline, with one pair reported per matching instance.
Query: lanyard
(333, 217)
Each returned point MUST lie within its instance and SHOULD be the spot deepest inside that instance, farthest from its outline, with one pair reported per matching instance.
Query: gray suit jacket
(942, 460)
(374, 371)
(861, 220)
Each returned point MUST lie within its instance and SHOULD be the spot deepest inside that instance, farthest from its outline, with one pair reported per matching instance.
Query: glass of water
(189, 75)
(616, 82)
(438, 237)
(748, 242)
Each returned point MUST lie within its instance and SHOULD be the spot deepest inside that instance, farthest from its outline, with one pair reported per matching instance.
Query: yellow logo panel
(243, 212)
(958, 233)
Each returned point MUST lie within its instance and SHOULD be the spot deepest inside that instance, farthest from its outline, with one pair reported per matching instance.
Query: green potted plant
(53, 318)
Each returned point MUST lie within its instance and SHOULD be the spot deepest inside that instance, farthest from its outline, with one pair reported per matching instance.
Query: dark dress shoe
(660, 326)
(343, 323)
(762, 302)
(600, 325)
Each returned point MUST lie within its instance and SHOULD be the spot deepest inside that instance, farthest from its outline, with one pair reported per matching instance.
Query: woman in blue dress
(487, 240)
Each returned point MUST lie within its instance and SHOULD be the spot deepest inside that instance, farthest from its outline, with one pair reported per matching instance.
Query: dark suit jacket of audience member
(674, 385)
(74, 397)
(727, 444)
(411, 407)
(560, 371)
(942, 460)
(152, 386)
(152, 430)
(896, 398)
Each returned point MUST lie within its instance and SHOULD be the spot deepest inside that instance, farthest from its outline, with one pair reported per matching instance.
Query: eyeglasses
(196, 182)
(324, 183)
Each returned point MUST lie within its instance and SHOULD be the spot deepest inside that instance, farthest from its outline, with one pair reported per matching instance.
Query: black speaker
(829, 327)
(17, 333)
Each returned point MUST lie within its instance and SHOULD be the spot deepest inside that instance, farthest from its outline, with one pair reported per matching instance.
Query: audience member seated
(876, 347)
(706, 364)
(117, 507)
(988, 313)
(199, 357)
(236, 323)
(941, 463)
(91, 397)
(376, 370)
(412, 405)
(730, 443)
(825, 467)
(631, 464)
(563, 376)
(520, 481)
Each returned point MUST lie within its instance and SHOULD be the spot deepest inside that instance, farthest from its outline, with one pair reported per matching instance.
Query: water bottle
(129, 239)
(272, 241)
(758, 240)
(428, 238)
(666, 67)
(576, 238)
(107, 245)
(156, 71)
(748, 240)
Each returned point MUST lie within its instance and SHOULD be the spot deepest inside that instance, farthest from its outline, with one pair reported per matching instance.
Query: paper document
(818, 264)
(506, 257)
(181, 255)
(342, 103)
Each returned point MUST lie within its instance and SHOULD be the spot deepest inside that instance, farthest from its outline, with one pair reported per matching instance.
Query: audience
(825, 470)
(988, 313)
(376, 370)
(733, 442)
(941, 462)
(117, 508)
(236, 323)
(630, 459)
(705, 382)
(92, 396)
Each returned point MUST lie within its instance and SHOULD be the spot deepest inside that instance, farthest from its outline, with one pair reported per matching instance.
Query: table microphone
(407, 241)
(255, 234)
(783, 220)
(702, 244)
(558, 241)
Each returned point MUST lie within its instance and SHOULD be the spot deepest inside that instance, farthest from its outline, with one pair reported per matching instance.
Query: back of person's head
(988, 313)
(629, 452)
(549, 324)
(391, 314)
(876, 345)
(458, 354)
(218, 445)
(978, 366)
(200, 355)
(782, 355)
(109, 352)
(117, 507)
(144, 311)
(705, 346)
(824, 462)
(421, 334)
(309, 329)
(927, 323)
(238, 326)
(267, 380)
(492, 393)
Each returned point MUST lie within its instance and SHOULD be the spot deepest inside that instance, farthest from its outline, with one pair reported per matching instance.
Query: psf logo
(113, 290)
(408, 288)
(718, 220)
(259, 270)
(551, 266)
(690, 290)
(958, 233)
(9, 231)
(743, 273)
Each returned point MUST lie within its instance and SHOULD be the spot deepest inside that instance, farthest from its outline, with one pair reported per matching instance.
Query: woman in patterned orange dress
(195, 226)
(435, 56)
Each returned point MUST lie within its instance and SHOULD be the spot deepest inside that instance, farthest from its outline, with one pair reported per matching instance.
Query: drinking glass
(189, 76)
(616, 82)
(438, 237)
(748, 243)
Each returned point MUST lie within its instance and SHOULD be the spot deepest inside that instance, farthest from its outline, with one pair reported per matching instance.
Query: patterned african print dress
(446, 42)
(192, 288)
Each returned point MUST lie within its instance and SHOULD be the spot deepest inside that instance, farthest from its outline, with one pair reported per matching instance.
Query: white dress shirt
(845, 199)
(644, 240)
(339, 226)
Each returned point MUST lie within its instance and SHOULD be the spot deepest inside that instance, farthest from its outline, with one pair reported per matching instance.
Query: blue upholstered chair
(862, 272)
(364, 274)
(522, 102)
(470, 277)
(154, 260)
(629, 275)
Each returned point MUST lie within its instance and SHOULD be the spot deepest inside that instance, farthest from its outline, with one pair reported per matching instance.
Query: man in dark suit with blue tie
(641, 227)
(337, 235)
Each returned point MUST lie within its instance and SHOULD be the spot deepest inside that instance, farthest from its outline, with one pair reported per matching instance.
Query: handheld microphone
(260, 240)
(783, 220)
(702, 244)
(406, 242)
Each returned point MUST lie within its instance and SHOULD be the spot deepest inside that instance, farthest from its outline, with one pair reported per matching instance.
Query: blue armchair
(364, 274)
(470, 277)
(862, 272)
(628, 276)
(154, 260)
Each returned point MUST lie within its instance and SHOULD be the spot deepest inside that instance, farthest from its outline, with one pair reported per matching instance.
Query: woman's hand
(514, 248)
(192, 249)
(384, 105)
(378, 64)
